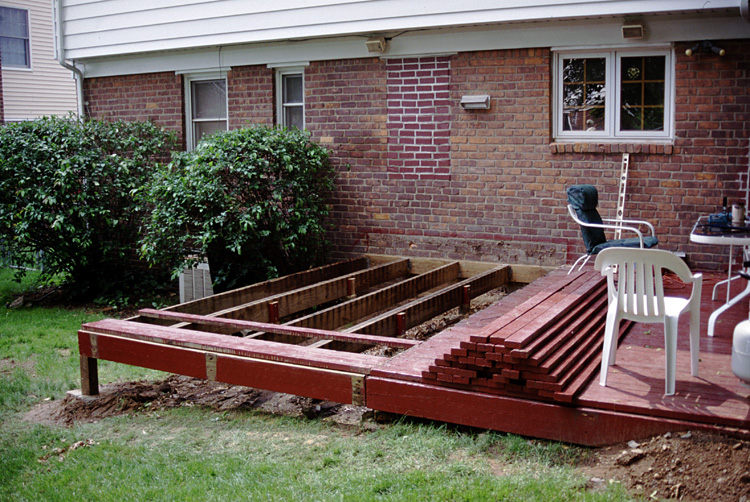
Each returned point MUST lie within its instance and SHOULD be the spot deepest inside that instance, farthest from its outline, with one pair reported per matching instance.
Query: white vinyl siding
(96, 28)
(46, 88)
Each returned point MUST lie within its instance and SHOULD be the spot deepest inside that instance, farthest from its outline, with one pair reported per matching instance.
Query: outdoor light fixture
(632, 31)
(476, 102)
(705, 46)
(376, 44)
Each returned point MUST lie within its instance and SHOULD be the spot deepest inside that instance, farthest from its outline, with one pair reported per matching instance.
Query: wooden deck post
(465, 299)
(400, 323)
(351, 289)
(89, 376)
(273, 312)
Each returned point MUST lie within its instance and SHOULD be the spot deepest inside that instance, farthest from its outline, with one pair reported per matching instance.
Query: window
(291, 98)
(14, 38)
(613, 95)
(206, 107)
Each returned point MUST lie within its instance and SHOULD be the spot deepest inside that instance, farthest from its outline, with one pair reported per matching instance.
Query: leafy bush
(65, 189)
(251, 200)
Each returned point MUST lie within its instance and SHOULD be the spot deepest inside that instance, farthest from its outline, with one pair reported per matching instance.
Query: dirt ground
(689, 466)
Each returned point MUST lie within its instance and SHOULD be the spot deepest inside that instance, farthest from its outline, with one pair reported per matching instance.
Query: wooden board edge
(577, 425)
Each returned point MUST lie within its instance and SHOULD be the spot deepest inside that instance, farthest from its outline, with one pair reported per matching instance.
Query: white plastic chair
(638, 295)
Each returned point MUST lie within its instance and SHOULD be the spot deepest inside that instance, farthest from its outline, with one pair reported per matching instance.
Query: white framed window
(614, 94)
(14, 38)
(206, 107)
(290, 97)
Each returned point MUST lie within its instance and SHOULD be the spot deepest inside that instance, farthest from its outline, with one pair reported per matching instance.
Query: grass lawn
(190, 453)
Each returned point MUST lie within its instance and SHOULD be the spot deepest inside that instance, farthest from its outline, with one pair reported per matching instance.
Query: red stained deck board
(305, 381)
(556, 306)
(140, 353)
(635, 383)
(238, 324)
(259, 349)
(573, 323)
(520, 416)
(552, 328)
(529, 303)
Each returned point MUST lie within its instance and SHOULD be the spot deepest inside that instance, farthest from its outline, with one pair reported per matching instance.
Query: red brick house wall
(489, 184)
(250, 96)
(157, 97)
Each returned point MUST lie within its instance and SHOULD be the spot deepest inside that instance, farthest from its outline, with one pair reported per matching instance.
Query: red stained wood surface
(259, 349)
(239, 325)
(528, 417)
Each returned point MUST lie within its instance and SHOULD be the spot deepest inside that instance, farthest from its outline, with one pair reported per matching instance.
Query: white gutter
(60, 55)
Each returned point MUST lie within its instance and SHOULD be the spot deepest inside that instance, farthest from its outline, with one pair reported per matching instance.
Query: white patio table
(703, 233)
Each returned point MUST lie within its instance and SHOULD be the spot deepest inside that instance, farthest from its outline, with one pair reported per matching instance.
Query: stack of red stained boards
(548, 346)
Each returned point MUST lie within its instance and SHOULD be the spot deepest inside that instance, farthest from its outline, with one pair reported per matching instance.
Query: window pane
(292, 89)
(13, 23)
(14, 37)
(209, 99)
(293, 117)
(642, 93)
(584, 94)
(654, 68)
(15, 52)
(208, 128)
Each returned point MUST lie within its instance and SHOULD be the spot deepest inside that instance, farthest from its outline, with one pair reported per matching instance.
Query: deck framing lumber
(371, 303)
(291, 302)
(524, 365)
(241, 296)
(419, 311)
(346, 387)
(292, 331)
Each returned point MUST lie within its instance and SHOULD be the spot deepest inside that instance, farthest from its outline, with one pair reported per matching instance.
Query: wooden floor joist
(193, 340)
(293, 331)
(313, 295)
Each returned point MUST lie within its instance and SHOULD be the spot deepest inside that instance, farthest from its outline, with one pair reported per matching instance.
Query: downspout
(60, 56)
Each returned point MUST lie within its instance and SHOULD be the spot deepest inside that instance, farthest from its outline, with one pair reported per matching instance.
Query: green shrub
(251, 200)
(65, 189)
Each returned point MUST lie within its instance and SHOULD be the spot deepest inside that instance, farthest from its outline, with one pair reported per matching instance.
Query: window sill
(592, 147)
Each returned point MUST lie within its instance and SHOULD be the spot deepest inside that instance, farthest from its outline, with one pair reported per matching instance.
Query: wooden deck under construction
(526, 364)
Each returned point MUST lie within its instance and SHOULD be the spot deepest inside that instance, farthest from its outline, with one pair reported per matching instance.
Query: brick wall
(418, 117)
(501, 196)
(250, 96)
(157, 97)
(504, 197)
(345, 109)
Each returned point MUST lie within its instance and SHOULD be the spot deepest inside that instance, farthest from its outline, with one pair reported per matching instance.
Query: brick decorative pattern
(418, 117)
